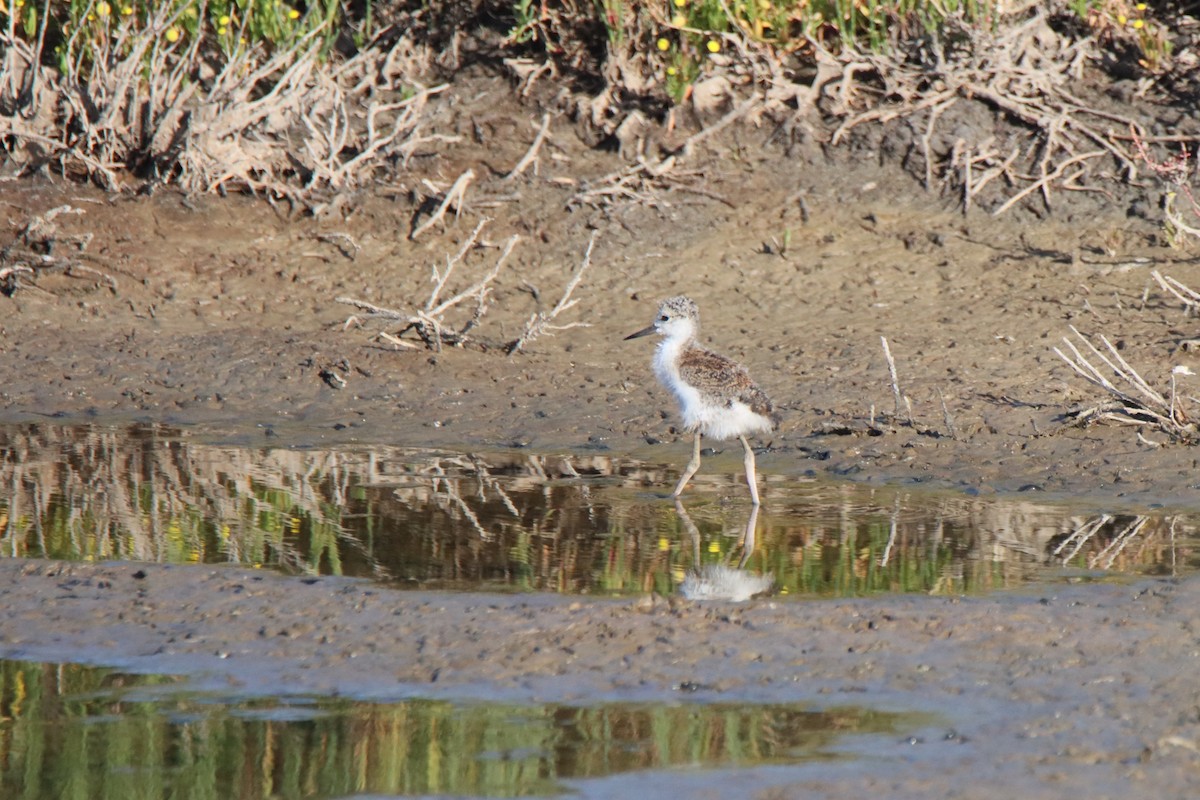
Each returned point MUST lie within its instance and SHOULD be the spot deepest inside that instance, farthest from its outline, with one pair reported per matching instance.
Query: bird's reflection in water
(723, 581)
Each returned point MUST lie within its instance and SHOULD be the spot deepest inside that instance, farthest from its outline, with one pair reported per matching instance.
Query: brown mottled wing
(725, 380)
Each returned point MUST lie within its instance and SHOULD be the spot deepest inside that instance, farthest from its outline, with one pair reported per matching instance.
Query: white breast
(711, 416)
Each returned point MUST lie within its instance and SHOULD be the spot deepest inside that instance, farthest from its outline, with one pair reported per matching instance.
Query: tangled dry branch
(542, 323)
(288, 124)
(1023, 71)
(1134, 401)
(430, 321)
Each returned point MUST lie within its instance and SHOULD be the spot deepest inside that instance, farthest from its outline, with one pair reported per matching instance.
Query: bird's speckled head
(678, 318)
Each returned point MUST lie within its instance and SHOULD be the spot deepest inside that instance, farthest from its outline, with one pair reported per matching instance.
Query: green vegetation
(80, 31)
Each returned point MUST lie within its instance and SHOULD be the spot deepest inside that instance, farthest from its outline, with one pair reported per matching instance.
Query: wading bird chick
(716, 396)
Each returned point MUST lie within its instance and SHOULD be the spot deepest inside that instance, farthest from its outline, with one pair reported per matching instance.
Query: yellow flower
(663, 44)
(1122, 19)
(172, 34)
(222, 31)
(713, 46)
(1137, 23)
(223, 20)
(680, 3)
(671, 70)
(126, 10)
(103, 9)
(679, 20)
(1140, 6)
(293, 13)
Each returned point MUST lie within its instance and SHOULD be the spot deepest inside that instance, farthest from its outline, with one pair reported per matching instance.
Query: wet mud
(221, 315)
(1088, 688)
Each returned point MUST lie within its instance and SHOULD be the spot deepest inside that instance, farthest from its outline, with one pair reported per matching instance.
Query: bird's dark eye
(663, 318)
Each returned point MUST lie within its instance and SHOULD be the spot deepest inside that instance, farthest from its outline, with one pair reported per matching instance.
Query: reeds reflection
(79, 732)
(574, 523)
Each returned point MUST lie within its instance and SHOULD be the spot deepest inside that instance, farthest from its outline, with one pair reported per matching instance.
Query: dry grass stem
(543, 323)
(947, 418)
(429, 321)
(288, 124)
(531, 154)
(1187, 296)
(1023, 70)
(1137, 402)
(895, 381)
(456, 196)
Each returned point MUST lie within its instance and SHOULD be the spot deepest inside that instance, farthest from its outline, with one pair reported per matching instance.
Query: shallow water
(71, 731)
(516, 520)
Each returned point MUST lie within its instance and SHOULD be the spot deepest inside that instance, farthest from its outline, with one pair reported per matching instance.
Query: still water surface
(579, 523)
(69, 732)
(519, 521)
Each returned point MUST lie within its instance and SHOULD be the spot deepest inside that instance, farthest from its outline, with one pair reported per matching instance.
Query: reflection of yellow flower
(714, 547)
(172, 34)
(713, 46)
(663, 44)
(664, 543)
(1137, 23)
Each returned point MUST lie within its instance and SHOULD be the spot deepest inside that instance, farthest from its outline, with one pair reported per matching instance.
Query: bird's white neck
(666, 359)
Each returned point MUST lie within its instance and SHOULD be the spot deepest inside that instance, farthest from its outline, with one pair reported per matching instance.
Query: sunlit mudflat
(515, 520)
(72, 731)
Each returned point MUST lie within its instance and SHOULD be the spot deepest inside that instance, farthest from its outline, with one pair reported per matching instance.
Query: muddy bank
(1086, 689)
(222, 314)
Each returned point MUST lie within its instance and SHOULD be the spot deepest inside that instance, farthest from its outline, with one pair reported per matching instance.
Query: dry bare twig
(1136, 401)
(1023, 70)
(289, 123)
(455, 195)
(1189, 297)
(531, 154)
(429, 320)
(542, 323)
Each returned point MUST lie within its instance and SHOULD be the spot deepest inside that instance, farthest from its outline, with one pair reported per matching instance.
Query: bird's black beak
(642, 332)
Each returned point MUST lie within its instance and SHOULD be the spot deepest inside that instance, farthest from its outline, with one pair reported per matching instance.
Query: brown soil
(225, 313)
(224, 316)
(1086, 692)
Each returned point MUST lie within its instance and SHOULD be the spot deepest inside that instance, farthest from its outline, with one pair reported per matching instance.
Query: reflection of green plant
(493, 523)
(79, 732)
